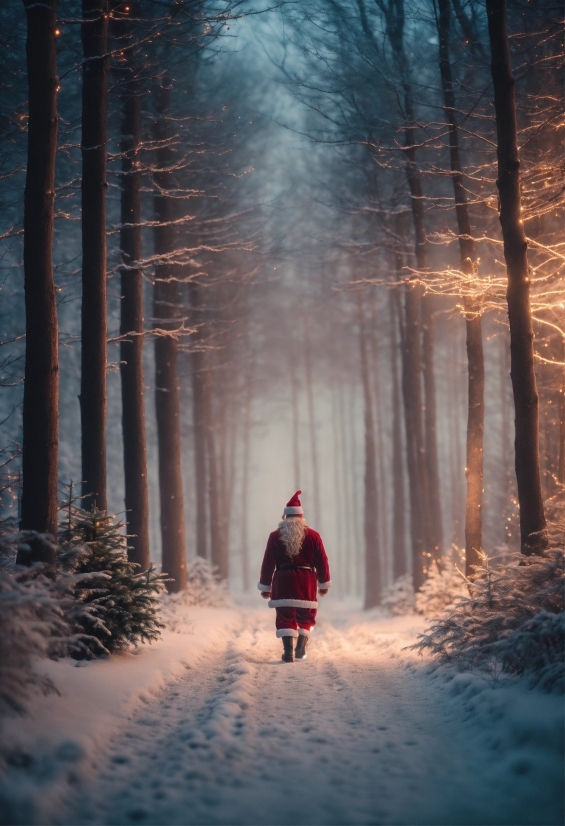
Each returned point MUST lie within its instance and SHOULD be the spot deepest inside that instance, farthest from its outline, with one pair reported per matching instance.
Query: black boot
(288, 655)
(300, 652)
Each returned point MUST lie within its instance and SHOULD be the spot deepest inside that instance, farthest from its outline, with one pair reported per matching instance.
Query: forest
(248, 248)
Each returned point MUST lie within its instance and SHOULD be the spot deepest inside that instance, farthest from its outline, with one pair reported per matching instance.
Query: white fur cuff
(263, 587)
(304, 632)
(292, 603)
(286, 632)
(323, 586)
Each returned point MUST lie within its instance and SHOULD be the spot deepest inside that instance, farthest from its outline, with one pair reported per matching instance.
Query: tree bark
(561, 450)
(429, 476)
(373, 578)
(435, 546)
(399, 505)
(410, 340)
(131, 328)
(93, 319)
(312, 423)
(475, 357)
(41, 387)
(246, 458)
(165, 304)
(199, 424)
(295, 423)
(217, 545)
(522, 371)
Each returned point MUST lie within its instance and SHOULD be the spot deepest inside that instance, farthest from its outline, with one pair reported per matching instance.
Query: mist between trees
(279, 245)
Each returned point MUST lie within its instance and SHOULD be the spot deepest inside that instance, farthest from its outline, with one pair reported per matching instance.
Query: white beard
(292, 532)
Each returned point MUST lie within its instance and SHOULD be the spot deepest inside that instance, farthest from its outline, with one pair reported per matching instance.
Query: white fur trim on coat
(292, 603)
(263, 587)
(286, 632)
(323, 586)
(305, 632)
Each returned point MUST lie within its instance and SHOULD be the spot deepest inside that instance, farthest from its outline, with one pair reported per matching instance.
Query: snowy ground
(214, 729)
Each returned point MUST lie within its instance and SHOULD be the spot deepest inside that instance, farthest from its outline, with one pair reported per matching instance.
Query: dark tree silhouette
(93, 357)
(41, 389)
(373, 581)
(131, 321)
(165, 305)
(522, 371)
(475, 358)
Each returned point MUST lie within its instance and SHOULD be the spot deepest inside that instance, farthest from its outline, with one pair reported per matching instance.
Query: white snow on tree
(513, 621)
(33, 626)
(398, 598)
(444, 584)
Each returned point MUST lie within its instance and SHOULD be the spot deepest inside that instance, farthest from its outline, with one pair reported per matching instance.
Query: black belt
(295, 568)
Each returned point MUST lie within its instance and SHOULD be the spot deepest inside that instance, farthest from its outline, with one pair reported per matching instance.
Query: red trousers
(291, 622)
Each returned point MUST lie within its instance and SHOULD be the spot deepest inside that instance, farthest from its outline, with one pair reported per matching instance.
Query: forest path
(355, 734)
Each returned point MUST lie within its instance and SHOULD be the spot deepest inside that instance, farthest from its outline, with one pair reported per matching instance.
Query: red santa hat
(293, 506)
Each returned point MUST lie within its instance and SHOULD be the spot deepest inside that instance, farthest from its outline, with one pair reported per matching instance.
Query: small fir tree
(117, 604)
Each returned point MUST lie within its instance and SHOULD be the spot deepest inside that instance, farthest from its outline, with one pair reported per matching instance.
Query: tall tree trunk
(421, 355)
(339, 497)
(373, 580)
(93, 318)
(245, 473)
(295, 424)
(430, 493)
(399, 506)
(376, 385)
(410, 340)
(561, 452)
(41, 387)
(522, 371)
(165, 304)
(131, 328)
(412, 396)
(346, 504)
(435, 546)
(312, 423)
(217, 547)
(199, 422)
(475, 358)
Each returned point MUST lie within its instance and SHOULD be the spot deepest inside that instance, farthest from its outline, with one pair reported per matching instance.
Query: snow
(208, 726)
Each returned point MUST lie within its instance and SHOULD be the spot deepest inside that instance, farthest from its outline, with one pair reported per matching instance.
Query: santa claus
(295, 567)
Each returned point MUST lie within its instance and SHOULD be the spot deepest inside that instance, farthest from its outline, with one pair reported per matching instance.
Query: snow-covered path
(355, 734)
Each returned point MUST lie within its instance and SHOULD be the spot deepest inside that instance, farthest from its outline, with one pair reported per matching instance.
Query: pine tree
(122, 602)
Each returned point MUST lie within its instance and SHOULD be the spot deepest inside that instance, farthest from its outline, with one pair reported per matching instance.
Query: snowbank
(60, 740)
(519, 731)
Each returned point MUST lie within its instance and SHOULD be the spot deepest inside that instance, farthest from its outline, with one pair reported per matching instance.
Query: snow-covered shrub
(203, 587)
(443, 585)
(398, 598)
(32, 625)
(513, 620)
(115, 605)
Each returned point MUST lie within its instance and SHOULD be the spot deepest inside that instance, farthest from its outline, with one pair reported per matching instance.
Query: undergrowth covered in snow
(512, 622)
(95, 603)
(444, 584)
(203, 588)
(33, 625)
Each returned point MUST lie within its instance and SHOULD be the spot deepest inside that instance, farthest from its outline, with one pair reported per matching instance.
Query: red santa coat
(295, 588)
